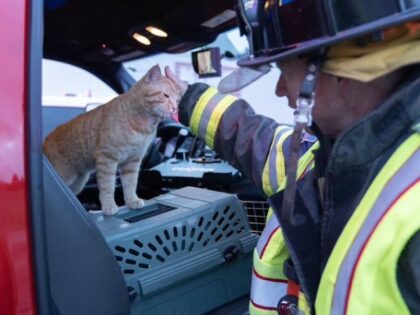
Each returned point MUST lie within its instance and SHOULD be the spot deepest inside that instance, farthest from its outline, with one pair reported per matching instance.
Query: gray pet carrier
(186, 252)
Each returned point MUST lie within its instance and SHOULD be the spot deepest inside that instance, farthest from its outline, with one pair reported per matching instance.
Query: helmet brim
(241, 77)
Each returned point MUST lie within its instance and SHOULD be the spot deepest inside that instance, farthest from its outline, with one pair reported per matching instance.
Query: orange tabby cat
(113, 136)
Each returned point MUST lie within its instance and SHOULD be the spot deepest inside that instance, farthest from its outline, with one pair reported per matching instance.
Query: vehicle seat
(84, 275)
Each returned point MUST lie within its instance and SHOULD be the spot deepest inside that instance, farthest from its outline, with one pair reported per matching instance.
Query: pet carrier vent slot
(159, 240)
(152, 247)
(133, 252)
(167, 251)
(128, 271)
(120, 249)
(167, 235)
(144, 266)
(226, 210)
(152, 211)
(192, 232)
(207, 225)
(147, 256)
(138, 243)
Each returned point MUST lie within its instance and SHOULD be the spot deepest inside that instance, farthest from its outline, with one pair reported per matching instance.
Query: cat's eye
(166, 95)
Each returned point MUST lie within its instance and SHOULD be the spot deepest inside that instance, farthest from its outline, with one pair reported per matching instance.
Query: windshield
(259, 94)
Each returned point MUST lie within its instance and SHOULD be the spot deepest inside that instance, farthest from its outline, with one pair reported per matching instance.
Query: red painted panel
(16, 284)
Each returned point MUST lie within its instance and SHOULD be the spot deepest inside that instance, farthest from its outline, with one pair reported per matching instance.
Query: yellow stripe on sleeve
(215, 118)
(199, 108)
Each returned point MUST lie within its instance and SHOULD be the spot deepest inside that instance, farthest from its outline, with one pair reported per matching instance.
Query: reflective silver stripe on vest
(266, 293)
(403, 179)
(270, 228)
(208, 110)
(273, 160)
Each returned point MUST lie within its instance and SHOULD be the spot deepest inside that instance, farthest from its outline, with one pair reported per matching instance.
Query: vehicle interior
(189, 250)
(98, 35)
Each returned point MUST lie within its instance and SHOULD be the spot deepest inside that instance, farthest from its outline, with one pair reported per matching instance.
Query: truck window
(67, 85)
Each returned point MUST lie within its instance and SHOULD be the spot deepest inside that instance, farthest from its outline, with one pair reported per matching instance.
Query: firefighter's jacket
(357, 248)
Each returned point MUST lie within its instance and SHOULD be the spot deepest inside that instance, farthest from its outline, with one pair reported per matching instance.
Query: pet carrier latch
(230, 253)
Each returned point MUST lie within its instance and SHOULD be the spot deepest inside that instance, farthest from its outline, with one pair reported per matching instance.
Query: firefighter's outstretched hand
(182, 85)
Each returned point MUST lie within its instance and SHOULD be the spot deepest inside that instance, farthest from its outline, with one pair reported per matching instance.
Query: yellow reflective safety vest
(360, 274)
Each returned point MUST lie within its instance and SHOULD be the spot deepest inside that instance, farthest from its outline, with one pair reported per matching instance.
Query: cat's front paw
(135, 204)
(109, 210)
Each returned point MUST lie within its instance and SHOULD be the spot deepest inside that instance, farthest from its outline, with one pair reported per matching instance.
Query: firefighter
(342, 235)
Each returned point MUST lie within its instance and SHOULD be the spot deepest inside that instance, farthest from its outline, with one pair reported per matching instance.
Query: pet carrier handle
(157, 280)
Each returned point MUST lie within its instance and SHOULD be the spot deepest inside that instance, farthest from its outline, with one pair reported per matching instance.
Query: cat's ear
(153, 74)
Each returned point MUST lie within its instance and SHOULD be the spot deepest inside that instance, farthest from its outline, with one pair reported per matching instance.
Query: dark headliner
(96, 34)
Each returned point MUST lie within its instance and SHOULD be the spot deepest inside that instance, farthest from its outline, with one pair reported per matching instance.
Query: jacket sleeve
(231, 127)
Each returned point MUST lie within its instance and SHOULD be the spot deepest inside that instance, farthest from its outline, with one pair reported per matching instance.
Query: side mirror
(206, 62)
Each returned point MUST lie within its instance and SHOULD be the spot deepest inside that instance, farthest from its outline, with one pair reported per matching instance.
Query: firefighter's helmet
(279, 29)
